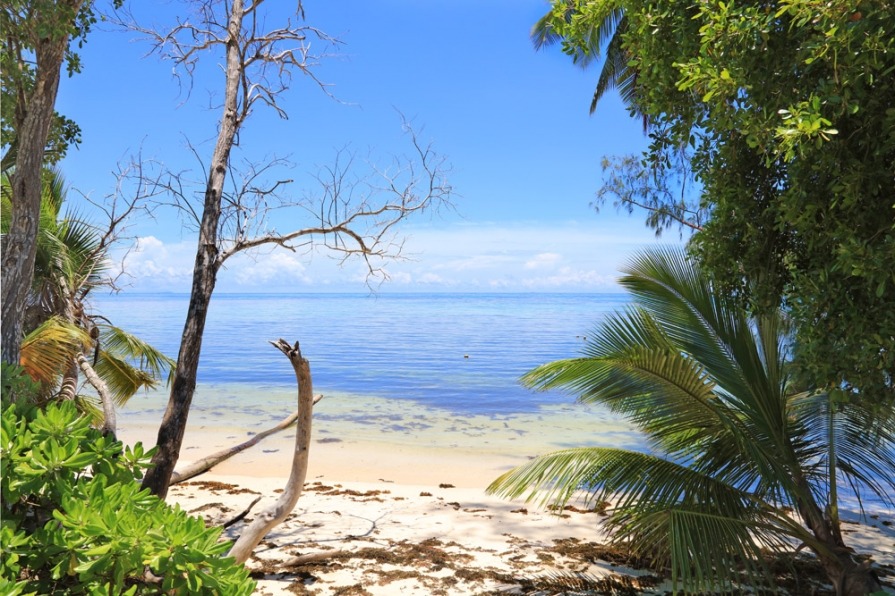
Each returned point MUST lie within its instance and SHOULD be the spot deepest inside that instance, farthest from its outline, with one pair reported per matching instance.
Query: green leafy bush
(74, 520)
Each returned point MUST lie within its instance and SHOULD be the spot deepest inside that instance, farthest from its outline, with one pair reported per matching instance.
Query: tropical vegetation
(786, 111)
(64, 338)
(75, 521)
(743, 459)
(600, 39)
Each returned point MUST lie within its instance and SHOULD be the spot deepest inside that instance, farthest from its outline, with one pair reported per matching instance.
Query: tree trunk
(34, 115)
(68, 390)
(110, 418)
(849, 577)
(170, 434)
(274, 515)
(206, 463)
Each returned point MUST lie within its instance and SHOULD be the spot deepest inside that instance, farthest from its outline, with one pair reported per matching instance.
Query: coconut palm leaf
(861, 442)
(70, 263)
(734, 442)
(48, 350)
(603, 37)
(663, 511)
(128, 364)
(91, 406)
(600, 31)
(80, 258)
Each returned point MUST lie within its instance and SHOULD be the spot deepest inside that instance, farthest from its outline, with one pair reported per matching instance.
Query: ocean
(459, 352)
(428, 370)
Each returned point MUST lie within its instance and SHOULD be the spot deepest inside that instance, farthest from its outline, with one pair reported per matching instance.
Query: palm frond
(47, 351)
(863, 442)
(632, 368)
(600, 32)
(703, 528)
(708, 385)
(91, 406)
(122, 379)
(128, 364)
(740, 354)
(118, 341)
(54, 190)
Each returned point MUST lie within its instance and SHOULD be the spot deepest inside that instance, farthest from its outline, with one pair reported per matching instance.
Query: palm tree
(64, 338)
(616, 72)
(734, 444)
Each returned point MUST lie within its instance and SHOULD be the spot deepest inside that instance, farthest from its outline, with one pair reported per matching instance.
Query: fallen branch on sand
(206, 463)
(300, 560)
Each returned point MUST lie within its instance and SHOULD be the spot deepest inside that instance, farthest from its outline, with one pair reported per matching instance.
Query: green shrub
(74, 520)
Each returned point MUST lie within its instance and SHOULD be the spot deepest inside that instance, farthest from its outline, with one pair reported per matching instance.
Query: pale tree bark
(34, 115)
(110, 418)
(274, 515)
(352, 216)
(204, 464)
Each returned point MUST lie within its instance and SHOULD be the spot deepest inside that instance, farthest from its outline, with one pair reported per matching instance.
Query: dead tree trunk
(170, 434)
(206, 463)
(275, 514)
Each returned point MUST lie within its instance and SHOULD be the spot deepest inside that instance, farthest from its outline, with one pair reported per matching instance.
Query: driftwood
(277, 513)
(206, 463)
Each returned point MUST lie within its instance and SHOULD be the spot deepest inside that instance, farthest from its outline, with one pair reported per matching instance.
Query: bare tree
(355, 215)
(275, 514)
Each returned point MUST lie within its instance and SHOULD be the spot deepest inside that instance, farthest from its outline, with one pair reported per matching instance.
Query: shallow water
(437, 371)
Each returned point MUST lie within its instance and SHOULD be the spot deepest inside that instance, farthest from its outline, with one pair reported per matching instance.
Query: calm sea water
(459, 352)
(437, 370)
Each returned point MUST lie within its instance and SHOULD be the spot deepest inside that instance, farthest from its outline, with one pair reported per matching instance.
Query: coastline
(381, 514)
(366, 439)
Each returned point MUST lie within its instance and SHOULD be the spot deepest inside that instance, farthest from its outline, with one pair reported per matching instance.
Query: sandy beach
(385, 517)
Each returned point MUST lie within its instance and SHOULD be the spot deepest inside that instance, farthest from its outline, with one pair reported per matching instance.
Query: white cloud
(545, 259)
(575, 257)
(152, 265)
(277, 267)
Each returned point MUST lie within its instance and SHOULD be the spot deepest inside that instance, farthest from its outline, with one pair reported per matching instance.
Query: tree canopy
(786, 108)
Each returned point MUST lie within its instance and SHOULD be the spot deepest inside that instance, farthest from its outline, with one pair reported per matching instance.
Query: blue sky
(512, 122)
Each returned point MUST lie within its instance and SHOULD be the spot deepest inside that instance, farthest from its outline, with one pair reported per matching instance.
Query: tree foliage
(734, 441)
(36, 42)
(787, 109)
(24, 23)
(65, 337)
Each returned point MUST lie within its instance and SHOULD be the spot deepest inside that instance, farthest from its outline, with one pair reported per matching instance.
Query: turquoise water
(459, 352)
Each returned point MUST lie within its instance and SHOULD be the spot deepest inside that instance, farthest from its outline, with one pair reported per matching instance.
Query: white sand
(442, 539)
(380, 507)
